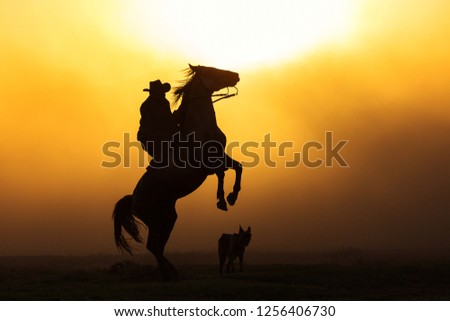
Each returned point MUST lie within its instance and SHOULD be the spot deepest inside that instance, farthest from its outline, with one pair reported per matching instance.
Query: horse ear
(193, 68)
(240, 229)
(249, 230)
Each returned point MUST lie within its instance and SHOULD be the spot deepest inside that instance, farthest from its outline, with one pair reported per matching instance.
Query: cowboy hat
(158, 86)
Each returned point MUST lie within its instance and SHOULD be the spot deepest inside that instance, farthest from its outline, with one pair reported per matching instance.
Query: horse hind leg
(159, 233)
(221, 203)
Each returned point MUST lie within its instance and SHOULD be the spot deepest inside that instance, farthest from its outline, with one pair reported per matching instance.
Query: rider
(157, 125)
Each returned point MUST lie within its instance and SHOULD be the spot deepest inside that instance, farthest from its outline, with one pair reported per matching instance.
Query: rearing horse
(197, 117)
(155, 195)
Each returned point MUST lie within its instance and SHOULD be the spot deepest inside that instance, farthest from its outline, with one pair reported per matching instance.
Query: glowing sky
(375, 73)
(240, 34)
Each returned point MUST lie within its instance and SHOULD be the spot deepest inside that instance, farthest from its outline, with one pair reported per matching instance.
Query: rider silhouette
(157, 125)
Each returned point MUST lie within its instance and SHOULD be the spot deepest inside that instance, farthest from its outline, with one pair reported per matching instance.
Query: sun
(240, 33)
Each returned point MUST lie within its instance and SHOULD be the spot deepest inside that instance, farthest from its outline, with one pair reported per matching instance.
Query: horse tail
(123, 217)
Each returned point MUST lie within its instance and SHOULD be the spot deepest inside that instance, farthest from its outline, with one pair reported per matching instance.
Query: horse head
(196, 112)
(215, 79)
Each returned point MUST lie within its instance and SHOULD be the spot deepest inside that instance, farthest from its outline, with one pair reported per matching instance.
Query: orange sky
(71, 78)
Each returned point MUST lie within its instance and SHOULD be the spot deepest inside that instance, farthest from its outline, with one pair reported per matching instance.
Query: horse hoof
(231, 198)
(222, 205)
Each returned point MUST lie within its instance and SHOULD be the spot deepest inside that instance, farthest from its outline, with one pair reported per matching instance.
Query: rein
(227, 95)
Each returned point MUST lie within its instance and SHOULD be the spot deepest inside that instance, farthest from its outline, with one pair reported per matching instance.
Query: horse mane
(181, 90)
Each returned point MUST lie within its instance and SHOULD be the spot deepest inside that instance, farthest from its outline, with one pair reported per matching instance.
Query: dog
(232, 246)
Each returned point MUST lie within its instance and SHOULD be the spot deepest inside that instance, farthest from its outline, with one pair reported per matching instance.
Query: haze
(72, 77)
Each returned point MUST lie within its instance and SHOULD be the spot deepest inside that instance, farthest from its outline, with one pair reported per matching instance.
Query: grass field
(127, 280)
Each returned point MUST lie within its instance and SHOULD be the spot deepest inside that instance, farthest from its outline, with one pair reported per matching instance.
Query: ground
(131, 280)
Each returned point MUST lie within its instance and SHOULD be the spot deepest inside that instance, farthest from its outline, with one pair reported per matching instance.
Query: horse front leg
(232, 197)
(221, 203)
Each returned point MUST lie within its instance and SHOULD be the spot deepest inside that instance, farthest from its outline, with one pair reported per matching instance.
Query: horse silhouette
(155, 195)
(196, 117)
